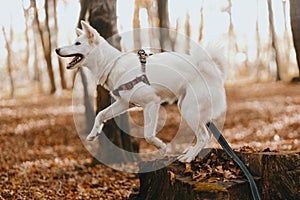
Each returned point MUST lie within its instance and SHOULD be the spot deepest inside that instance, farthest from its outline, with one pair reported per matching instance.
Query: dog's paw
(188, 156)
(92, 137)
(187, 150)
(163, 150)
(95, 133)
(185, 159)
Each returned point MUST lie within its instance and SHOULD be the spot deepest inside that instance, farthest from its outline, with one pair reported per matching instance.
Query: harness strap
(129, 85)
(142, 55)
(143, 78)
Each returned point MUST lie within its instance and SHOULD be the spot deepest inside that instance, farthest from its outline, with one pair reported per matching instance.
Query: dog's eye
(77, 43)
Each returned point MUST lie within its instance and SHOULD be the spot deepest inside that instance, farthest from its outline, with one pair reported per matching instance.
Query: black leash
(221, 140)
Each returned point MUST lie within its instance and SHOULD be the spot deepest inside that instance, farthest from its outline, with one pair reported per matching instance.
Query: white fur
(194, 80)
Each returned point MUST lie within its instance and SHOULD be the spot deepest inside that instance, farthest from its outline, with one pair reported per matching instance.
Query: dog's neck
(105, 58)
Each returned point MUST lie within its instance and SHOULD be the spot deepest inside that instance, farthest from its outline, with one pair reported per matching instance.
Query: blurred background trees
(295, 22)
(257, 37)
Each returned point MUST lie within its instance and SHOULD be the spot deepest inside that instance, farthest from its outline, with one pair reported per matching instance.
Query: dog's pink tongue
(72, 63)
(74, 60)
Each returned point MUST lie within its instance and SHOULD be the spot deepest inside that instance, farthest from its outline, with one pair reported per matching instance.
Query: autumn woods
(40, 37)
(46, 110)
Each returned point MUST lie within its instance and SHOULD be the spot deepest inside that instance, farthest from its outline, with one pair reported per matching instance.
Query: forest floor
(42, 157)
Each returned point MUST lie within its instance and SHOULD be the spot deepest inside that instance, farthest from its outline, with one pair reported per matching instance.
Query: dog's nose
(57, 50)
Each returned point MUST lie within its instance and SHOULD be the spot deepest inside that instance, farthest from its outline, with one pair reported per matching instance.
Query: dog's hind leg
(150, 123)
(110, 112)
(195, 109)
(202, 136)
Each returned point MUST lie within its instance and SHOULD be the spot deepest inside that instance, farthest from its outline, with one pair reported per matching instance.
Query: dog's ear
(79, 31)
(90, 32)
(87, 29)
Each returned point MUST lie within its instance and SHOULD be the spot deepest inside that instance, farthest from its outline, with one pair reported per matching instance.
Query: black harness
(143, 78)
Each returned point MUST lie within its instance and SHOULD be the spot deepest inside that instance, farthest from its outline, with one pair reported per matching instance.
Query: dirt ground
(42, 157)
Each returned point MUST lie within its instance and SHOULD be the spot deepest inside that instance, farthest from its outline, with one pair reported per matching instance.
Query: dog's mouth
(77, 58)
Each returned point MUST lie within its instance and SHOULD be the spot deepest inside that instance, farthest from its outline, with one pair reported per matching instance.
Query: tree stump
(277, 175)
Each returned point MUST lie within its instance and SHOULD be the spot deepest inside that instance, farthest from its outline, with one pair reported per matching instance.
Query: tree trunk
(46, 42)
(8, 61)
(187, 30)
(83, 11)
(276, 175)
(232, 42)
(295, 23)
(48, 50)
(259, 64)
(274, 41)
(200, 38)
(37, 74)
(102, 16)
(163, 16)
(60, 63)
(136, 25)
(27, 51)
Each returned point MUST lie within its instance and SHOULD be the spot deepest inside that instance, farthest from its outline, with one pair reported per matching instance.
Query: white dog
(196, 81)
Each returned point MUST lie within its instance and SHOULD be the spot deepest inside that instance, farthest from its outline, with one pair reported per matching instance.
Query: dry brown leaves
(217, 166)
(212, 168)
(42, 157)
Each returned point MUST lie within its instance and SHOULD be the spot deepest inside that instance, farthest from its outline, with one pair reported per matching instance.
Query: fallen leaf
(188, 168)
(199, 176)
(228, 174)
(212, 180)
(247, 149)
(172, 177)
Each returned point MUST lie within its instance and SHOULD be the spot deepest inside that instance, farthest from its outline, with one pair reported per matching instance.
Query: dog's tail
(217, 53)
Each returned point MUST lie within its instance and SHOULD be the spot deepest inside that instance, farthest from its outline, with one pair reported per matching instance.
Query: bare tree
(37, 77)
(55, 35)
(102, 16)
(138, 34)
(37, 73)
(8, 42)
(258, 44)
(201, 24)
(295, 22)
(32, 50)
(45, 38)
(27, 21)
(286, 34)
(273, 39)
(136, 25)
(232, 44)
(187, 30)
(163, 15)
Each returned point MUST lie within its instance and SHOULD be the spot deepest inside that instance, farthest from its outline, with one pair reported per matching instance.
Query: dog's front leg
(117, 108)
(150, 124)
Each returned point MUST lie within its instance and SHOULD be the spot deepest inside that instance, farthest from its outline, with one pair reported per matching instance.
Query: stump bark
(277, 175)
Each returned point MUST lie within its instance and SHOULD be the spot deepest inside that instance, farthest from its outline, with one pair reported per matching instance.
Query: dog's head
(88, 39)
